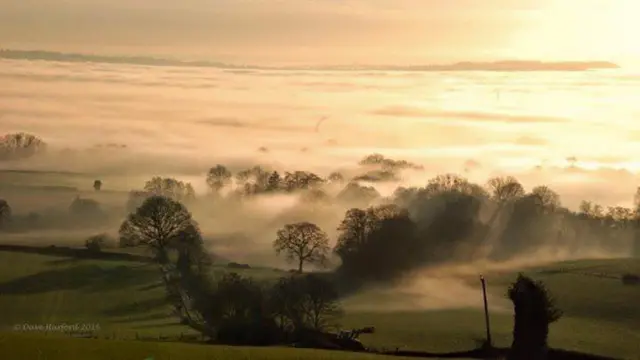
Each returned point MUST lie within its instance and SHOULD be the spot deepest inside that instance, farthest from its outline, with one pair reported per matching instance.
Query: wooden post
(486, 311)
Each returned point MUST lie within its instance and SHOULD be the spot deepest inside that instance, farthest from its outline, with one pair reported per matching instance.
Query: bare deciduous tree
(303, 242)
(160, 223)
(504, 189)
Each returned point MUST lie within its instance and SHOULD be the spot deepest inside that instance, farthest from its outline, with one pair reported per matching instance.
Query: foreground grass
(20, 346)
(126, 301)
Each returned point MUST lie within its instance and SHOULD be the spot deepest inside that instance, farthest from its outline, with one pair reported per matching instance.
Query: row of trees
(447, 220)
(254, 182)
(258, 179)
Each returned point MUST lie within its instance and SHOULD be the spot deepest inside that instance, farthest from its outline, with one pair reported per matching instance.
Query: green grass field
(126, 301)
(27, 347)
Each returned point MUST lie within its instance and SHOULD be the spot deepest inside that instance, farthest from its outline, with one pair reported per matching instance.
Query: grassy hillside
(126, 301)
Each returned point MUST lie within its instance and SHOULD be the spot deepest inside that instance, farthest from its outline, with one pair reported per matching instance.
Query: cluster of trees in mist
(20, 145)
(448, 219)
(232, 309)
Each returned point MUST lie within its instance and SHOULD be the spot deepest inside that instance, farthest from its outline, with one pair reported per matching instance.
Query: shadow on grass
(136, 307)
(148, 317)
(497, 353)
(151, 287)
(89, 278)
(64, 261)
(165, 324)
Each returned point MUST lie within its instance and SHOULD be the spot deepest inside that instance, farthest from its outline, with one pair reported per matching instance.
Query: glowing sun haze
(330, 31)
(507, 122)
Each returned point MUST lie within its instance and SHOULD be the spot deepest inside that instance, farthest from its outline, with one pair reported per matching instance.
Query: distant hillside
(461, 66)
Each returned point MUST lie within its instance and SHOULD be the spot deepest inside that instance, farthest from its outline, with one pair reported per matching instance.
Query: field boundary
(78, 253)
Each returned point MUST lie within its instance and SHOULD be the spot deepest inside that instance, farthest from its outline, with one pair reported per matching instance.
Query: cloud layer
(442, 120)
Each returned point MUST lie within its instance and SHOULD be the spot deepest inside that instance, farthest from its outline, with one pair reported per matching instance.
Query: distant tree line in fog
(450, 218)
(18, 146)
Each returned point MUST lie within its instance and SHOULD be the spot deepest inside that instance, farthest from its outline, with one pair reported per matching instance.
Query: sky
(329, 31)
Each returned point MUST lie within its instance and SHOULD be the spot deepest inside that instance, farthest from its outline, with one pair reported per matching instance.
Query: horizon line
(493, 65)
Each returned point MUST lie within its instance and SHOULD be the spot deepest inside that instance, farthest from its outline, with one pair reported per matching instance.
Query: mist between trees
(448, 219)
(335, 222)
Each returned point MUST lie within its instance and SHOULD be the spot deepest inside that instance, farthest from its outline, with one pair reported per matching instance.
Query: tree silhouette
(321, 306)
(305, 302)
(218, 177)
(545, 197)
(274, 182)
(354, 229)
(504, 193)
(448, 183)
(5, 213)
(165, 226)
(303, 242)
(97, 185)
(253, 181)
(589, 210)
(384, 235)
(187, 282)
(505, 189)
(169, 187)
(160, 223)
(301, 180)
(534, 310)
